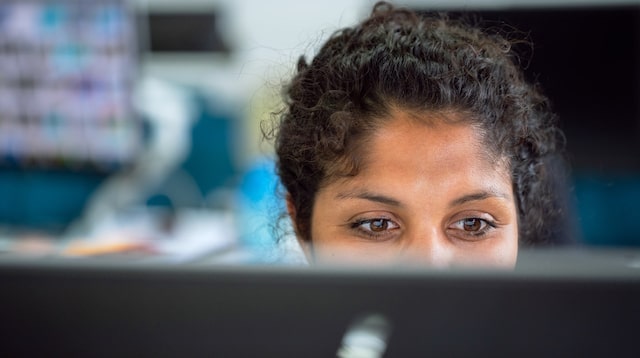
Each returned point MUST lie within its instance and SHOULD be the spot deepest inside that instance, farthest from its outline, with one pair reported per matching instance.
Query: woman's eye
(375, 226)
(473, 226)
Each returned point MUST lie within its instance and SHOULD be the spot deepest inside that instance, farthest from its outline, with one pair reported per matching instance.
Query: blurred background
(132, 128)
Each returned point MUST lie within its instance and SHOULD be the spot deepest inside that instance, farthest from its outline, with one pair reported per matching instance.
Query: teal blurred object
(608, 209)
(208, 168)
(44, 201)
(210, 160)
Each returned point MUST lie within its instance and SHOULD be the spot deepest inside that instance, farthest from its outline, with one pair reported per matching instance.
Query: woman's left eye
(375, 227)
(473, 226)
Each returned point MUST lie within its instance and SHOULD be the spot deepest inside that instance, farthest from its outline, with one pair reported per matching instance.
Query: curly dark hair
(400, 59)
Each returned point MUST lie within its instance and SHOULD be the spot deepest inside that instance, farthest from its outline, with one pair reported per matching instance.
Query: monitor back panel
(72, 310)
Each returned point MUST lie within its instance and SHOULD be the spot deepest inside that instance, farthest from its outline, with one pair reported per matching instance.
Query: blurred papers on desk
(187, 235)
(183, 236)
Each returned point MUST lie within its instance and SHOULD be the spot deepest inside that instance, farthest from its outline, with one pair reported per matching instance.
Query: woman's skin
(428, 193)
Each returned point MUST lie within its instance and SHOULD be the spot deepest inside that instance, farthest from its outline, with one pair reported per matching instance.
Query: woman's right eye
(375, 227)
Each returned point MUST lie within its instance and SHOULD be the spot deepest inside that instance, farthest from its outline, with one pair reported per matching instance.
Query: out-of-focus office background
(133, 127)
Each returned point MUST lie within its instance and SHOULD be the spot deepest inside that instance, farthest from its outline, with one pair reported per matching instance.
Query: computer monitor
(567, 305)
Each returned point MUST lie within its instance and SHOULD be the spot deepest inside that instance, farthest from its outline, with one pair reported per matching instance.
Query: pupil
(471, 224)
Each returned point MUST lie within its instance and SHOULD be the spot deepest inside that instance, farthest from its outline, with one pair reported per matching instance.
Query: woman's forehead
(405, 152)
(434, 135)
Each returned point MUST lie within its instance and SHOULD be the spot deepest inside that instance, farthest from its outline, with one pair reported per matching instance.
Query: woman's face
(426, 194)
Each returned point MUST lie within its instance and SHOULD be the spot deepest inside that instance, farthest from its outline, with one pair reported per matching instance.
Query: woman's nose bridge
(431, 245)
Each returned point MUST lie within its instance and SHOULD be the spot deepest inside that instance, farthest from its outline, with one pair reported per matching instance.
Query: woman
(416, 139)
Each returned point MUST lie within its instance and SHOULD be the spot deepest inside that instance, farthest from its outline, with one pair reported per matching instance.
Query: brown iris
(379, 225)
(471, 224)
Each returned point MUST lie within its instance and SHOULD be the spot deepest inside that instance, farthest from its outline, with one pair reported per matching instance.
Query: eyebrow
(383, 199)
(365, 195)
(481, 195)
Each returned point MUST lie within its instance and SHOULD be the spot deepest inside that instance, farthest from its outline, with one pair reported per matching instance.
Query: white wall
(267, 38)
